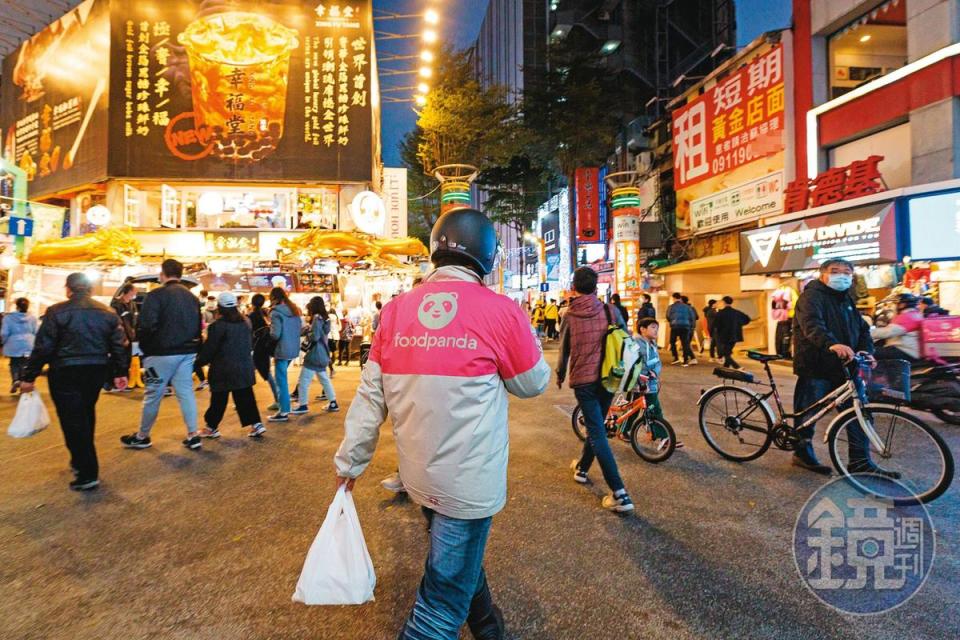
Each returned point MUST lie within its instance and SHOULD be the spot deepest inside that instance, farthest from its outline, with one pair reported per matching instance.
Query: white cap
(227, 300)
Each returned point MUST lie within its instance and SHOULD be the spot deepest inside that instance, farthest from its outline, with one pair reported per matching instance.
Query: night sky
(460, 23)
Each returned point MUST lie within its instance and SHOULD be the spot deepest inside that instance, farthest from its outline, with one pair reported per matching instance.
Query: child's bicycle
(653, 439)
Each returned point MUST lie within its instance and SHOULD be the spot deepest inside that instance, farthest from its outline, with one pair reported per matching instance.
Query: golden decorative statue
(108, 244)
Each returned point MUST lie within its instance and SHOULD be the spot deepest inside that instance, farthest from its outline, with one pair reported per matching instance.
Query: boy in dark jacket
(581, 343)
(228, 351)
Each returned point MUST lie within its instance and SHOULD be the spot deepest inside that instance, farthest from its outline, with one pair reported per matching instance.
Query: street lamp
(431, 17)
(423, 88)
(426, 56)
(426, 72)
(421, 100)
(429, 36)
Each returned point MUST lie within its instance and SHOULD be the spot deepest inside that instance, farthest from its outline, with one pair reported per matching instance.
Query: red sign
(586, 182)
(737, 121)
(859, 178)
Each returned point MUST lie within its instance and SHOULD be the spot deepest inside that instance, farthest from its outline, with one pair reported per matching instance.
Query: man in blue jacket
(682, 319)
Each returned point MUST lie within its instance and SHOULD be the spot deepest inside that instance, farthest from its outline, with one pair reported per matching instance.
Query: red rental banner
(737, 121)
(586, 182)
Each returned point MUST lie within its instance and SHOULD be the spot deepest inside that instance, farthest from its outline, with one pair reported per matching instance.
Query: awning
(710, 264)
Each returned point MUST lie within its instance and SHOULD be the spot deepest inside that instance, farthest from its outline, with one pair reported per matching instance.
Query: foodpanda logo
(437, 310)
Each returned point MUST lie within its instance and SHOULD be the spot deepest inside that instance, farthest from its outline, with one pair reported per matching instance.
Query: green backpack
(620, 369)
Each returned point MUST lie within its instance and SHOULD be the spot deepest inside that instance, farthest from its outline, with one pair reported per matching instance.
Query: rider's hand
(346, 481)
(26, 387)
(869, 359)
(843, 352)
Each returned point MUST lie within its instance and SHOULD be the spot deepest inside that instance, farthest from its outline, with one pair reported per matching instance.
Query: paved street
(184, 545)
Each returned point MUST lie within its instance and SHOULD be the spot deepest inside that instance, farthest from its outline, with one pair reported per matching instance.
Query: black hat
(465, 233)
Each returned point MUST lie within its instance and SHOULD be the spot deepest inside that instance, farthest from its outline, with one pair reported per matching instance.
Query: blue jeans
(160, 372)
(283, 385)
(452, 579)
(809, 390)
(303, 385)
(594, 403)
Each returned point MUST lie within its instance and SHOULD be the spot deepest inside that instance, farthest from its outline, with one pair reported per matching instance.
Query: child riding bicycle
(650, 368)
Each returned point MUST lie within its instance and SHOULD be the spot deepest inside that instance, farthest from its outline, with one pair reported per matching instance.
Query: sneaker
(333, 407)
(322, 397)
(694, 361)
(677, 362)
(621, 504)
(257, 431)
(278, 417)
(299, 411)
(274, 407)
(203, 385)
(84, 485)
(393, 483)
(133, 441)
(192, 442)
(579, 476)
(207, 432)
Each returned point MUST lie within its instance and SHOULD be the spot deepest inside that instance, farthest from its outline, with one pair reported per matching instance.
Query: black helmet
(466, 233)
(908, 300)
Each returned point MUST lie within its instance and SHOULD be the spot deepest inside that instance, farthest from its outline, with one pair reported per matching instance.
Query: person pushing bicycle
(828, 332)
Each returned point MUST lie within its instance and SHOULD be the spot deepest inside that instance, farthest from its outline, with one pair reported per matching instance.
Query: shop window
(872, 46)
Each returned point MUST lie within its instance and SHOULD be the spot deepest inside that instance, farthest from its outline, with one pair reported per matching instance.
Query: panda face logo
(437, 310)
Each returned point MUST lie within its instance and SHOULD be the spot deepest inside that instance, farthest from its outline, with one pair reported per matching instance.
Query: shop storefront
(903, 240)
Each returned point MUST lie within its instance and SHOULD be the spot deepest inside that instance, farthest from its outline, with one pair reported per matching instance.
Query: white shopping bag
(31, 416)
(338, 569)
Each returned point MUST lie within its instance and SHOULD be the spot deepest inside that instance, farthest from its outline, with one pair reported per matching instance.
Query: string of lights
(424, 71)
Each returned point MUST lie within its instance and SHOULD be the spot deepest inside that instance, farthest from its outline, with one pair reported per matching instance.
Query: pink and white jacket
(903, 332)
(442, 362)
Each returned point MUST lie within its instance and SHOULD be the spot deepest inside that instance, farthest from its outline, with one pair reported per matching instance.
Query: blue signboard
(20, 227)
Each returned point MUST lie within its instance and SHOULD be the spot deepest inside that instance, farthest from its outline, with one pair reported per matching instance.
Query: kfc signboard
(731, 135)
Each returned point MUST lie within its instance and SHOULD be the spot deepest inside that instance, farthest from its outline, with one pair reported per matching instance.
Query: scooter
(936, 388)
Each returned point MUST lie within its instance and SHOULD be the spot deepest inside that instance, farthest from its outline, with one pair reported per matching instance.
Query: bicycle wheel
(911, 448)
(735, 424)
(579, 424)
(653, 439)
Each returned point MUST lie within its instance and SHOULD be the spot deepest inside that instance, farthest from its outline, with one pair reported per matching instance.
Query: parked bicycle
(739, 425)
(653, 439)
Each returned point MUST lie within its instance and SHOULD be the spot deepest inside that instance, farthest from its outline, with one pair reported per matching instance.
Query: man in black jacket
(170, 339)
(828, 332)
(709, 315)
(83, 342)
(728, 324)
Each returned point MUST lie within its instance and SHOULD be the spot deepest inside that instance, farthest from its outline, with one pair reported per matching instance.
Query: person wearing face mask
(828, 331)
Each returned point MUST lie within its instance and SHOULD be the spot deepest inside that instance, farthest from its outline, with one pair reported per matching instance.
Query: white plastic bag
(338, 569)
(31, 416)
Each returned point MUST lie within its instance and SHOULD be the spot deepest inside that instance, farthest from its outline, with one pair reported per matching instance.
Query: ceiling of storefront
(20, 19)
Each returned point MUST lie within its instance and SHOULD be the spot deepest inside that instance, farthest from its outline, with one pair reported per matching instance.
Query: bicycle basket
(888, 382)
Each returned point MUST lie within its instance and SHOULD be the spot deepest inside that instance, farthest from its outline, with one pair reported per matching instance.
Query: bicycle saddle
(763, 357)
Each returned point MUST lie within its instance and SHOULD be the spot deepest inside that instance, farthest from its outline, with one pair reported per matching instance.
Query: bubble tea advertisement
(219, 89)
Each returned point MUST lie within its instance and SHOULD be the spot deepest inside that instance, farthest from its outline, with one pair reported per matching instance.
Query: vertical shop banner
(273, 90)
(53, 101)
(586, 181)
(395, 200)
(729, 147)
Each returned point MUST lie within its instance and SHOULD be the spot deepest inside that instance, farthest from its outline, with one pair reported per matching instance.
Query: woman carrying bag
(228, 351)
(285, 325)
(317, 357)
(18, 333)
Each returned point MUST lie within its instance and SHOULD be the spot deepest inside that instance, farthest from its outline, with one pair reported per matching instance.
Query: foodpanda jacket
(442, 362)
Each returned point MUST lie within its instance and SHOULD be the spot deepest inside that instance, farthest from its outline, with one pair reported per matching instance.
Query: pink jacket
(442, 362)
